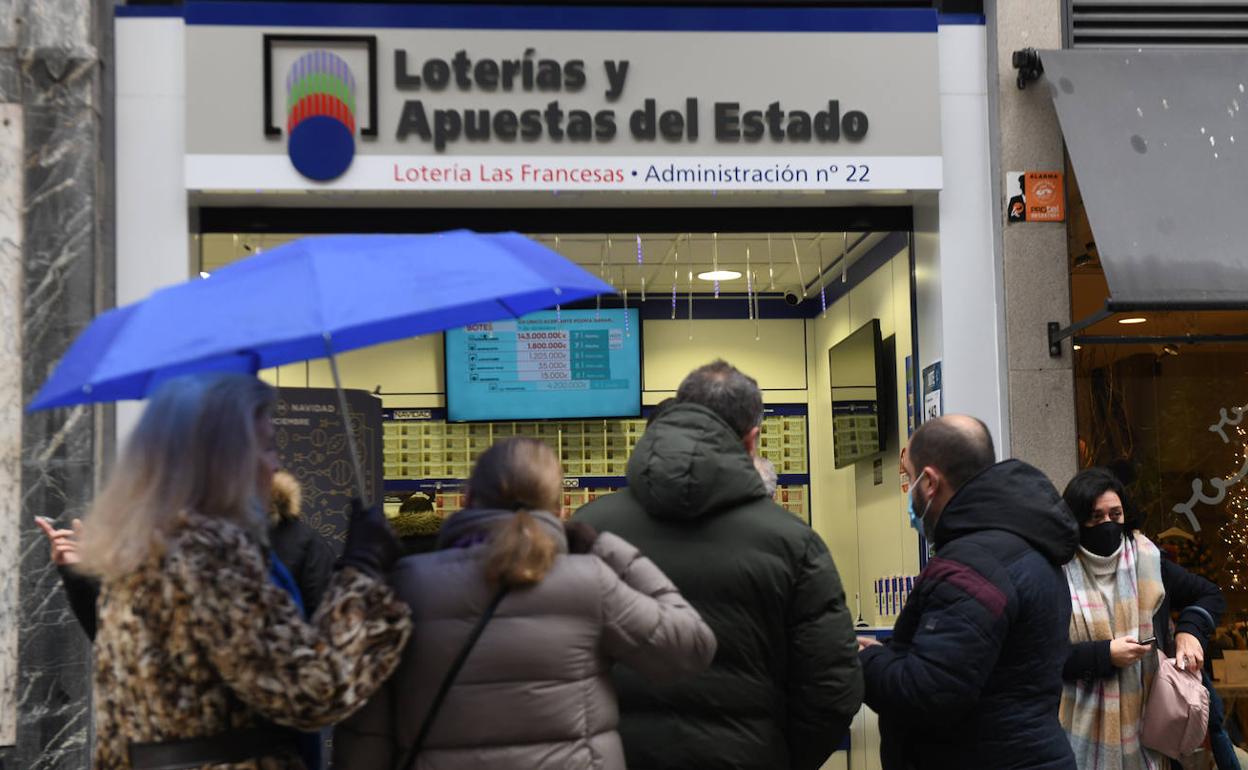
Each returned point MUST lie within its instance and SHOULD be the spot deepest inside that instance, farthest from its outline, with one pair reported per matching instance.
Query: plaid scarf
(1103, 716)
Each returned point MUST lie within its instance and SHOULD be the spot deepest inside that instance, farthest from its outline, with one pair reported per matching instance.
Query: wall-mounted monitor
(549, 365)
(858, 376)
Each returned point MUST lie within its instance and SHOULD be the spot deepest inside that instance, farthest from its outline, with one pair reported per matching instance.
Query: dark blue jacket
(972, 677)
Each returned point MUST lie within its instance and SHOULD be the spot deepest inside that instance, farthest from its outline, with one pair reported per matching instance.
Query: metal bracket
(1030, 68)
(1055, 339)
(1160, 339)
(1057, 333)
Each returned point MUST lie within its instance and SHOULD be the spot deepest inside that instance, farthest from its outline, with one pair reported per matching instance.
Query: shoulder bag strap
(449, 679)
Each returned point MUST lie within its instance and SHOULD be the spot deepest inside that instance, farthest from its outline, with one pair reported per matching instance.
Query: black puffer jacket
(973, 675)
(785, 683)
(306, 554)
(1200, 605)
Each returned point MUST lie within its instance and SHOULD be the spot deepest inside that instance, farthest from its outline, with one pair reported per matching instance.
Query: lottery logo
(320, 115)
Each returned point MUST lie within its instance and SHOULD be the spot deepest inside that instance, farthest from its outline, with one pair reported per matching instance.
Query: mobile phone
(1148, 641)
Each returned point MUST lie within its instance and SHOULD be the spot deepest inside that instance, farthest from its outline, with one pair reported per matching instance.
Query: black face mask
(1103, 539)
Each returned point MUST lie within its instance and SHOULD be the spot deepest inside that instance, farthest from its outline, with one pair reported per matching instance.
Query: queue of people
(686, 621)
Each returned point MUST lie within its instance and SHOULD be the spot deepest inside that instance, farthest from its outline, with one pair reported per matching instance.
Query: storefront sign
(535, 98)
(1035, 196)
(312, 444)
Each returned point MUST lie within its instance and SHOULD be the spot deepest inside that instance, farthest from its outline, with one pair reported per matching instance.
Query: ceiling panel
(781, 262)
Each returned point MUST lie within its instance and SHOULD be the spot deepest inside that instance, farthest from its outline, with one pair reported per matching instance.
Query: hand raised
(64, 542)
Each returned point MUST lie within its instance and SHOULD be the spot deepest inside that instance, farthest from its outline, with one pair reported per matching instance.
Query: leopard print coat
(199, 641)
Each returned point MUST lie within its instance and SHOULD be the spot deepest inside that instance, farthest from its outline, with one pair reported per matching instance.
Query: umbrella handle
(346, 423)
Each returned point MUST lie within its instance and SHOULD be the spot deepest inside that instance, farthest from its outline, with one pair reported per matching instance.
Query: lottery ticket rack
(424, 452)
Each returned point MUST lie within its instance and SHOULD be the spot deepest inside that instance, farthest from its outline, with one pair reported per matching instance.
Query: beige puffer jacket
(535, 692)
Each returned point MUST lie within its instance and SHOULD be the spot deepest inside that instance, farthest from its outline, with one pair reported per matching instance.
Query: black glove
(580, 536)
(371, 546)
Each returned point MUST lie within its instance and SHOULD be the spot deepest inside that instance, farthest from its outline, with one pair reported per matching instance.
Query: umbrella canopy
(309, 298)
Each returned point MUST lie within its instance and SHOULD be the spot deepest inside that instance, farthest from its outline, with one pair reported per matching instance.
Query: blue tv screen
(548, 365)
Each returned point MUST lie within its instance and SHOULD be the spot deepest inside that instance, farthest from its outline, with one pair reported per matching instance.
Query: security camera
(1030, 67)
(791, 298)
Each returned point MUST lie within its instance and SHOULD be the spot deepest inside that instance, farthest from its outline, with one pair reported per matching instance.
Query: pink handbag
(1176, 716)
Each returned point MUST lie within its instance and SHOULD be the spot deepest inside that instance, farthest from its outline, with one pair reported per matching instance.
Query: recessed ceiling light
(1134, 320)
(202, 274)
(719, 275)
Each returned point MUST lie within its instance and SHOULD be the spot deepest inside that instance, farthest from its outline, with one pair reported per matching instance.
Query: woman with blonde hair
(201, 660)
(519, 623)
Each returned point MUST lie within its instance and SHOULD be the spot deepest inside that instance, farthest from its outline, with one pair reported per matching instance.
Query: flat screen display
(548, 365)
(856, 371)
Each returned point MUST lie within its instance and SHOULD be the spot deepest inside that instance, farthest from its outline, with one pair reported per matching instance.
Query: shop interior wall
(862, 521)
(409, 372)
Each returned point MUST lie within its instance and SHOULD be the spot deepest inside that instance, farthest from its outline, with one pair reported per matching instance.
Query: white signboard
(674, 99)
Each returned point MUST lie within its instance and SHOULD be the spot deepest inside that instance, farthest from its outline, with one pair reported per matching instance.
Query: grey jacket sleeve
(647, 624)
(825, 688)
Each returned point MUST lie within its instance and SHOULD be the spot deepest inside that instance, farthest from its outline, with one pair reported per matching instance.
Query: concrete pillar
(55, 230)
(1036, 276)
(11, 178)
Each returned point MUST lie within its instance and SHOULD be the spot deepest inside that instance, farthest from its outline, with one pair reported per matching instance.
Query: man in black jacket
(972, 676)
(785, 683)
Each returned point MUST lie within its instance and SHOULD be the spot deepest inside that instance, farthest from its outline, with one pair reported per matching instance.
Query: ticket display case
(425, 452)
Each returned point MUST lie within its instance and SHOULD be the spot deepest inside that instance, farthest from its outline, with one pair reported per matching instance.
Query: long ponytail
(520, 474)
(521, 553)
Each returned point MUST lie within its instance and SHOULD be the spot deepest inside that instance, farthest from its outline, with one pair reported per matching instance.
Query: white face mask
(918, 522)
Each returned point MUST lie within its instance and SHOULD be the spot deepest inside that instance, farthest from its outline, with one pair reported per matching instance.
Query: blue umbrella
(310, 298)
(72, 382)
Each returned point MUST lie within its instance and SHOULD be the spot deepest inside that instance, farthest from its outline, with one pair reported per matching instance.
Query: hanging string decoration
(823, 284)
(771, 267)
(797, 260)
(558, 308)
(675, 276)
(623, 283)
(757, 306)
(690, 304)
(749, 285)
(640, 268)
(715, 261)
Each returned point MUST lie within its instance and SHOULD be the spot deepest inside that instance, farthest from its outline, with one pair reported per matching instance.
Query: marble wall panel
(51, 74)
(11, 193)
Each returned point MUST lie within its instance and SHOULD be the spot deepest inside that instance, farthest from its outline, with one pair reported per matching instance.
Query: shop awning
(1159, 142)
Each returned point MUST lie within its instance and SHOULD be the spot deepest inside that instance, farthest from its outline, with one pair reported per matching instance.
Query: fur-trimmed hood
(285, 499)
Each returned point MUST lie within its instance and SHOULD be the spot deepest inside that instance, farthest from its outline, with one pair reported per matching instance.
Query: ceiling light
(719, 275)
(202, 274)
(1134, 320)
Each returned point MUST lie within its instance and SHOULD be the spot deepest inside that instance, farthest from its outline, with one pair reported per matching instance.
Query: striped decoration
(320, 84)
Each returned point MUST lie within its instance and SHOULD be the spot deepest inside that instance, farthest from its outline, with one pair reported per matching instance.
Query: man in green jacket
(785, 683)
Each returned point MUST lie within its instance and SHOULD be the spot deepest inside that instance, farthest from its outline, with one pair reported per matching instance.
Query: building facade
(144, 144)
